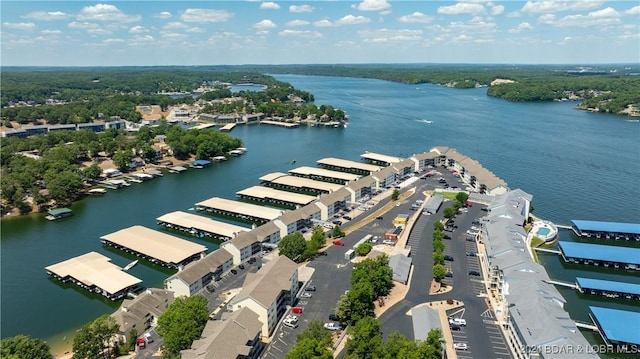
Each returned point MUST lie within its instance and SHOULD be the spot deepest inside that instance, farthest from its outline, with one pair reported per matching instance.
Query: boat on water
(235, 152)
(219, 158)
(130, 265)
(97, 191)
(134, 179)
(58, 213)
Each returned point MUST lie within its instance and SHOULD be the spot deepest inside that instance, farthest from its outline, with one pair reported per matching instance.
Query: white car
(458, 321)
(332, 326)
(460, 346)
(148, 338)
(292, 325)
(306, 295)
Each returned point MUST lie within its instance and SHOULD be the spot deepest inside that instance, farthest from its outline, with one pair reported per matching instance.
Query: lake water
(577, 165)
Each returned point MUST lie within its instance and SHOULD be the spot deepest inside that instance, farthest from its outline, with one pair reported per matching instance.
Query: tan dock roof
(301, 182)
(167, 248)
(95, 269)
(426, 155)
(248, 209)
(379, 157)
(202, 126)
(270, 193)
(188, 220)
(272, 176)
(305, 170)
(338, 162)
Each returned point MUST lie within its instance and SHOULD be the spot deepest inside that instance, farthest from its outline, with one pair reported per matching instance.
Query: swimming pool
(543, 231)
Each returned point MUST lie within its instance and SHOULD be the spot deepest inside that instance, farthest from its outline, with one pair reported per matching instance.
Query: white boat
(97, 191)
(134, 179)
(219, 158)
(243, 149)
(235, 152)
(130, 265)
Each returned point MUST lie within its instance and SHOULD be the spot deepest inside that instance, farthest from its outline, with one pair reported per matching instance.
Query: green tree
(292, 245)
(438, 246)
(23, 346)
(439, 271)
(363, 249)
(395, 194)
(181, 324)
(337, 232)
(365, 339)
(308, 348)
(92, 172)
(449, 212)
(316, 331)
(122, 159)
(438, 235)
(374, 271)
(96, 339)
(438, 258)
(131, 339)
(318, 237)
(438, 226)
(462, 197)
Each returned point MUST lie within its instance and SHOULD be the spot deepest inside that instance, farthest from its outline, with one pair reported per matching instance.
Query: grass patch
(447, 194)
(536, 242)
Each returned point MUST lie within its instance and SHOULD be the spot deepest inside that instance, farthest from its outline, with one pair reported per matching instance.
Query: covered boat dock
(95, 273)
(608, 230)
(58, 213)
(600, 255)
(199, 226)
(379, 159)
(339, 164)
(617, 327)
(321, 174)
(270, 195)
(154, 246)
(242, 210)
(609, 288)
(287, 182)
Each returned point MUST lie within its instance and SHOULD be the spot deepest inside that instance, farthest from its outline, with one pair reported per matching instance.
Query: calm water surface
(577, 165)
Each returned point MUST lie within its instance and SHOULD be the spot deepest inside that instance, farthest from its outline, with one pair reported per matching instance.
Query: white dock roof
(188, 220)
(248, 209)
(95, 269)
(167, 248)
(379, 157)
(305, 170)
(300, 182)
(270, 193)
(272, 176)
(338, 162)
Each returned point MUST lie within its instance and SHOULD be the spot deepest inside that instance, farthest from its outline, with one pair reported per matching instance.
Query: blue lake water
(577, 165)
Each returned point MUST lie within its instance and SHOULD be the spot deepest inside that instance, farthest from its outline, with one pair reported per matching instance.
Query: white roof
(270, 193)
(95, 269)
(300, 182)
(238, 207)
(305, 170)
(380, 157)
(338, 162)
(167, 248)
(188, 220)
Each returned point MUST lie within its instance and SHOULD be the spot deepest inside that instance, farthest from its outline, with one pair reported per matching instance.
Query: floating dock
(199, 226)
(608, 288)
(606, 230)
(246, 211)
(281, 124)
(321, 174)
(228, 127)
(57, 213)
(270, 195)
(617, 327)
(338, 164)
(287, 182)
(600, 255)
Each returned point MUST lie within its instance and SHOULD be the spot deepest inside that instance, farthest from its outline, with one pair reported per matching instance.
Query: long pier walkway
(555, 251)
(586, 326)
(563, 226)
(562, 283)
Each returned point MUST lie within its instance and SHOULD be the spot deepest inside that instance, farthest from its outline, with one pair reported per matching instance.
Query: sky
(151, 33)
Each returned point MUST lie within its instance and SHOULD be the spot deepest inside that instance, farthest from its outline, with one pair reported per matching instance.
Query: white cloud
(462, 38)
(264, 24)
(82, 25)
(205, 15)
(293, 23)
(603, 17)
(301, 8)
(323, 23)
(390, 35)
(174, 36)
(164, 15)
(46, 15)
(372, 5)
(143, 38)
(99, 31)
(462, 8)
(633, 11)
(269, 5)
(19, 25)
(113, 41)
(497, 10)
(300, 33)
(174, 25)
(538, 7)
(196, 29)
(416, 17)
(138, 29)
(105, 12)
(51, 32)
(521, 27)
(352, 20)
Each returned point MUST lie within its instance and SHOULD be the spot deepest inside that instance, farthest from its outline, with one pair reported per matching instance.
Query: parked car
(337, 222)
(311, 288)
(306, 295)
(446, 236)
(148, 338)
(448, 258)
(454, 327)
(252, 260)
(210, 288)
(458, 321)
(338, 242)
(333, 317)
(290, 324)
(379, 218)
(460, 346)
(323, 253)
(241, 266)
(332, 326)
(470, 239)
(141, 343)
(471, 254)
(347, 218)
(233, 271)
(474, 273)
(297, 310)
(449, 275)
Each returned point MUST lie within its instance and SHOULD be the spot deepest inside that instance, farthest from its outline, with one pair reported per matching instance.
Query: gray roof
(384, 173)
(335, 196)
(424, 319)
(401, 266)
(295, 215)
(152, 301)
(196, 270)
(426, 155)
(226, 338)
(260, 233)
(366, 181)
(266, 285)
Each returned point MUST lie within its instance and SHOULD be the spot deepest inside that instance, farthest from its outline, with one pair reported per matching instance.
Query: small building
(401, 266)
(401, 219)
(200, 163)
(243, 246)
(393, 235)
(142, 312)
(433, 204)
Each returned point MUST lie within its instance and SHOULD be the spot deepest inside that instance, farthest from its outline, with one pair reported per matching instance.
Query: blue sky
(117, 33)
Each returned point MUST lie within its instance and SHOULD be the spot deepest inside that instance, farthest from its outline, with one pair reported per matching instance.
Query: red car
(296, 310)
(467, 204)
(338, 242)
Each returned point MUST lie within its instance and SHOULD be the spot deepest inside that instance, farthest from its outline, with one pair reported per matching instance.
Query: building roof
(600, 252)
(426, 155)
(167, 248)
(401, 266)
(384, 173)
(342, 176)
(433, 203)
(242, 208)
(615, 227)
(347, 164)
(340, 195)
(152, 301)
(363, 182)
(380, 158)
(58, 211)
(188, 220)
(424, 319)
(300, 182)
(276, 273)
(615, 324)
(270, 193)
(193, 271)
(226, 338)
(95, 269)
(201, 162)
(608, 285)
(259, 233)
(301, 213)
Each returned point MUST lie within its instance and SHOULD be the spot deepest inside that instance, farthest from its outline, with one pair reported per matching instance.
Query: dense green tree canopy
(182, 323)
(293, 246)
(97, 339)
(23, 346)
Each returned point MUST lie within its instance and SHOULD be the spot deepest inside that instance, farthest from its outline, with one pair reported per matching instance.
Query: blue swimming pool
(543, 231)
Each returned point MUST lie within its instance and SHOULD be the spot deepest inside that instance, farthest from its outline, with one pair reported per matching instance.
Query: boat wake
(425, 121)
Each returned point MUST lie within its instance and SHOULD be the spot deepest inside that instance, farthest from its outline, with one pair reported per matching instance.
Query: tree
(438, 235)
(337, 232)
(308, 348)
(292, 245)
(462, 197)
(439, 271)
(438, 226)
(23, 346)
(122, 159)
(316, 331)
(365, 339)
(374, 271)
(395, 194)
(449, 212)
(438, 246)
(363, 249)
(91, 172)
(182, 323)
(438, 258)
(96, 339)
(318, 237)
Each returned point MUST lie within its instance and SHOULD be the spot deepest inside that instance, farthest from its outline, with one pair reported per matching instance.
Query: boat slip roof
(615, 324)
(95, 269)
(305, 170)
(248, 209)
(299, 182)
(607, 285)
(600, 252)
(338, 162)
(380, 158)
(613, 227)
(167, 248)
(270, 193)
(188, 220)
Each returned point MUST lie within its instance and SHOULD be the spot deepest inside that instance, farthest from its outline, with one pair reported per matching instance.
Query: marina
(287, 182)
(606, 230)
(321, 174)
(199, 226)
(338, 164)
(617, 326)
(200, 163)
(600, 255)
(270, 195)
(58, 213)
(241, 210)
(607, 288)
(177, 169)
